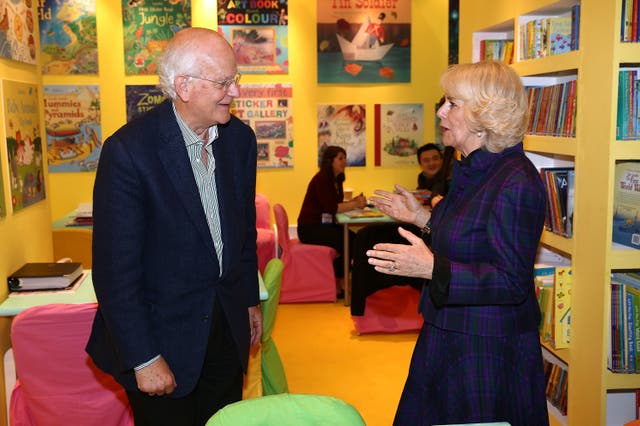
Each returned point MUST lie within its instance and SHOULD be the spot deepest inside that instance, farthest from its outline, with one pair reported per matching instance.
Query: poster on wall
(68, 36)
(148, 26)
(268, 109)
(258, 32)
(141, 98)
(72, 121)
(24, 143)
(399, 132)
(17, 26)
(364, 42)
(3, 206)
(343, 125)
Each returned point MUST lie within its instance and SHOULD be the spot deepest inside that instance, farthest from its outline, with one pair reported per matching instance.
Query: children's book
(626, 204)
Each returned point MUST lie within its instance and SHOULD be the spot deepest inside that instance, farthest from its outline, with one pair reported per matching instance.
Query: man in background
(174, 242)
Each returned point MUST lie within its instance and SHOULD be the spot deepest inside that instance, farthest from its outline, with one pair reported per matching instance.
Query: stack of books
(84, 215)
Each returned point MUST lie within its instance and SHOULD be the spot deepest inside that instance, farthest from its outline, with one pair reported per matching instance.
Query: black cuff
(441, 277)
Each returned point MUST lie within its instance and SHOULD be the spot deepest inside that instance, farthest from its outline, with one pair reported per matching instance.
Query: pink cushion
(390, 310)
(58, 382)
(263, 212)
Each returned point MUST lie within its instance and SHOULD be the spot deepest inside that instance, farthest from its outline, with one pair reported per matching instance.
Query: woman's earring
(479, 134)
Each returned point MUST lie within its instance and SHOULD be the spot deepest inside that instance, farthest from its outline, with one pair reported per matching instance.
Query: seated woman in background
(324, 198)
(365, 279)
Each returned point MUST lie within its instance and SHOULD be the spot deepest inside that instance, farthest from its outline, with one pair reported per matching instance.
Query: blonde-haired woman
(478, 356)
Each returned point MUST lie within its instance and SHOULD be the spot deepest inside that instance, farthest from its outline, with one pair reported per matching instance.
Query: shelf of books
(574, 139)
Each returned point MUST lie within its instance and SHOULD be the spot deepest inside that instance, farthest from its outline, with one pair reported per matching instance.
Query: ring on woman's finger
(392, 267)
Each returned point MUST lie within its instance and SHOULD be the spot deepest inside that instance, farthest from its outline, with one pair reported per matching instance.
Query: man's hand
(255, 324)
(156, 378)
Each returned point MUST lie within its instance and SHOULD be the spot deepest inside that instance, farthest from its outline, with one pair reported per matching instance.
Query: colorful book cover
(24, 143)
(635, 294)
(546, 311)
(148, 26)
(343, 125)
(571, 178)
(141, 98)
(543, 275)
(559, 33)
(622, 326)
(17, 31)
(562, 307)
(68, 36)
(631, 336)
(623, 100)
(399, 132)
(74, 132)
(575, 27)
(364, 42)
(626, 204)
(614, 352)
(259, 34)
(268, 109)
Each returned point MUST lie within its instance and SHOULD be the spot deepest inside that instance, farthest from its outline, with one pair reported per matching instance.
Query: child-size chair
(58, 384)
(266, 240)
(274, 379)
(308, 268)
(288, 409)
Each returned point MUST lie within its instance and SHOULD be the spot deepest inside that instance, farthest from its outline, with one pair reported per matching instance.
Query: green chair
(274, 380)
(287, 409)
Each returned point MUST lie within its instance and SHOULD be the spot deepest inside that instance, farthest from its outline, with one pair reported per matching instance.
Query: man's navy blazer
(155, 269)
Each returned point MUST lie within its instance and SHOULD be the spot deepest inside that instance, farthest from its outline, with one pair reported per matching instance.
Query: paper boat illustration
(358, 49)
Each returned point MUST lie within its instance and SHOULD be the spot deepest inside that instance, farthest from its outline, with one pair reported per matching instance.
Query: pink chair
(308, 268)
(390, 310)
(58, 384)
(266, 240)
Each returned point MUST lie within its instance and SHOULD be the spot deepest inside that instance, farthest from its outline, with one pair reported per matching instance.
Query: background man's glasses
(221, 84)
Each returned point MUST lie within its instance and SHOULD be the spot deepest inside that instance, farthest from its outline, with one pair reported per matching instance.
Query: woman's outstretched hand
(401, 205)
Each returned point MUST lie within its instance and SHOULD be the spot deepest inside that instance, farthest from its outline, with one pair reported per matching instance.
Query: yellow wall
(285, 186)
(26, 236)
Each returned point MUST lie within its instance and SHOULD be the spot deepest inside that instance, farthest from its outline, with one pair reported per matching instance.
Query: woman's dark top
(323, 195)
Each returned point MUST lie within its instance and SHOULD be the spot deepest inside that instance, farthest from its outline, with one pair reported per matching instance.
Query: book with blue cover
(626, 204)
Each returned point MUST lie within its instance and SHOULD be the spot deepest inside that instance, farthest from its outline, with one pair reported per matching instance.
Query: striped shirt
(205, 179)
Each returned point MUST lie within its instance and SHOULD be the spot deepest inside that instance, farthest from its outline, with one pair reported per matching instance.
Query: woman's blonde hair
(495, 101)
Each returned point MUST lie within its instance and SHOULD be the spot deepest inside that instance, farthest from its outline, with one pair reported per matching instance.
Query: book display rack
(590, 146)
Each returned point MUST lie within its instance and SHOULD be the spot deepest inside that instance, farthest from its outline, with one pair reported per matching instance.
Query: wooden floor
(322, 354)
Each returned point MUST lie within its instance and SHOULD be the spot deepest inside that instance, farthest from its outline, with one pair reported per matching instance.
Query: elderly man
(174, 247)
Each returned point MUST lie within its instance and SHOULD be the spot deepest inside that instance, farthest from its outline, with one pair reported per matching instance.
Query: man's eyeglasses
(222, 84)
